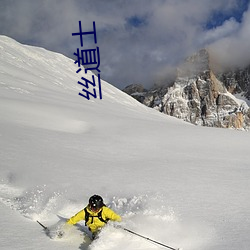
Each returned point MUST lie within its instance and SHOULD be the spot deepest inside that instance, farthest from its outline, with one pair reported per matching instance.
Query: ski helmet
(95, 202)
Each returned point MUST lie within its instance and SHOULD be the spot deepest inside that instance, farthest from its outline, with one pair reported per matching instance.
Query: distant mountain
(201, 95)
(237, 81)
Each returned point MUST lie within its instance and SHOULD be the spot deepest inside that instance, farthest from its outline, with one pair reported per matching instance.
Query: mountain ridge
(202, 96)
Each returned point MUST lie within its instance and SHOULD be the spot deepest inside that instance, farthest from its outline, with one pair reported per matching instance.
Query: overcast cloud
(140, 41)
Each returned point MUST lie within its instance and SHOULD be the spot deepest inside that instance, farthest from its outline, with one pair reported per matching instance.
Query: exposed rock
(237, 81)
(133, 88)
(201, 97)
(137, 91)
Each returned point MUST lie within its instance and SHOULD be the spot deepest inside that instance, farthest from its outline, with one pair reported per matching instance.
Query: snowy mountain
(201, 96)
(182, 185)
(237, 81)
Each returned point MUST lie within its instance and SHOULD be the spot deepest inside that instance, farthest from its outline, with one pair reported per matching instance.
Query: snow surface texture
(179, 184)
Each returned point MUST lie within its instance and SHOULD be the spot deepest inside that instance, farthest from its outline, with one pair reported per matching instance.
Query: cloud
(233, 49)
(139, 41)
(228, 28)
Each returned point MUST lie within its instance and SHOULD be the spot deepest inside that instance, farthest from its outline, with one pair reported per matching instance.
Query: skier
(95, 214)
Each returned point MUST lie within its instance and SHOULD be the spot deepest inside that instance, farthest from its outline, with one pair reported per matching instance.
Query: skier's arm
(110, 214)
(77, 217)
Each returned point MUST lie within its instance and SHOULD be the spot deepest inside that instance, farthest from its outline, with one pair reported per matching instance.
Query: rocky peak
(196, 64)
(133, 88)
(201, 97)
(237, 81)
(137, 91)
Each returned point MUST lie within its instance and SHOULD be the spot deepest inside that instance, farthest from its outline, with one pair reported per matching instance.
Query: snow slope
(176, 183)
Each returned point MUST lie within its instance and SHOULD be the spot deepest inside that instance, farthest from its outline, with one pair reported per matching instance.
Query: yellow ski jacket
(94, 223)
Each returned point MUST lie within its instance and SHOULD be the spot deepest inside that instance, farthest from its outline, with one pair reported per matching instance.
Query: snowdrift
(182, 185)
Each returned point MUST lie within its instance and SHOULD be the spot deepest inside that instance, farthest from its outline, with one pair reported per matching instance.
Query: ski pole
(45, 228)
(146, 238)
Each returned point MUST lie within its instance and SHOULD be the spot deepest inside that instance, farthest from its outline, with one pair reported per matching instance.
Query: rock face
(237, 81)
(201, 97)
(137, 91)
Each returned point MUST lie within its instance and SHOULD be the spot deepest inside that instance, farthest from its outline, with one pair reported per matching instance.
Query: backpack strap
(88, 216)
(100, 217)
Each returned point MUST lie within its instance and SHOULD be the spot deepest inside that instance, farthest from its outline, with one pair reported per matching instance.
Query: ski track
(144, 214)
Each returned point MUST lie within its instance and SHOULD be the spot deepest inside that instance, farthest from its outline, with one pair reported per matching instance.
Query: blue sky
(218, 17)
(140, 41)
